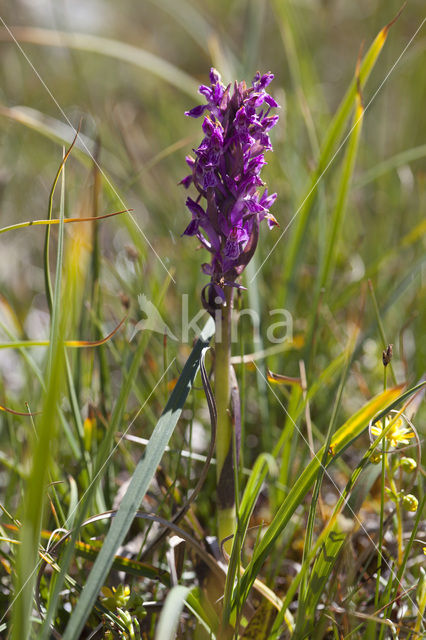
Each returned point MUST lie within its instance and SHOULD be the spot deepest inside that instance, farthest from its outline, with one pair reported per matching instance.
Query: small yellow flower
(397, 434)
(115, 597)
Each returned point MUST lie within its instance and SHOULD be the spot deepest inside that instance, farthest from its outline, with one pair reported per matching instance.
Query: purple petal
(271, 220)
(208, 126)
(265, 80)
(253, 204)
(255, 165)
(207, 269)
(269, 122)
(196, 112)
(195, 208)
(186, 182)
(206, 92)
(267, 201)
(209, 179)
(192, 228)
(232, 249)
(214, 75)
(270, 101)
(203, 240)
(256, 99)
(218, 94)
(240, 234)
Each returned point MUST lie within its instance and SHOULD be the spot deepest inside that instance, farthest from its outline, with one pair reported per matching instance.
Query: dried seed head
(387, 355)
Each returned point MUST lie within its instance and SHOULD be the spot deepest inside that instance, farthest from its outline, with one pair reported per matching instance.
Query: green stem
(224, 458)
(398, 514)
(382, 507)
(382, 517)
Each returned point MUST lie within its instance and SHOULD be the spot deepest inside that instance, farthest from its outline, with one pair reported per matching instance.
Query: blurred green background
(137, 118)
(127, 71)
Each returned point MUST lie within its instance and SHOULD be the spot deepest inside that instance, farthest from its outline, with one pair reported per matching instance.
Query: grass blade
(169, 618)
(30, 533)
(108, 47)
(375, 409)
(331, 141)
(139, 484)
(264, 463)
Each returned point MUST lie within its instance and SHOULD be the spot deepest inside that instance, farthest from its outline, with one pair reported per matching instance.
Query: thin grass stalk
(265, 463)
(239, 538)
(35, 493)
(397, 581)
(399, 525)
(341, 440)
(55, 504)
(380, 325)
(418, 520)
(300, 621)
(381, 520)
(337, 219)
(298, 58)
(332, 138)
(382, 517)
(285, 443)
(96, 294)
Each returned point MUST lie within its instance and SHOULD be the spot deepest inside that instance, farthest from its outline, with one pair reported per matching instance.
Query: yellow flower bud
(410, 502)
(375, 457)
(408, 464)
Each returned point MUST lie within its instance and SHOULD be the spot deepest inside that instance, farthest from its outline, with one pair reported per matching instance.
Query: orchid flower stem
(224, 439)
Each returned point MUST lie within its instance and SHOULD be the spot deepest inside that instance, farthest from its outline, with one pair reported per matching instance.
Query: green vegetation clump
(117, 392)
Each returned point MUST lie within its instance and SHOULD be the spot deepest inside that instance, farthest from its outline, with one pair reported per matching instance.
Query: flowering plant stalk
(226, 215)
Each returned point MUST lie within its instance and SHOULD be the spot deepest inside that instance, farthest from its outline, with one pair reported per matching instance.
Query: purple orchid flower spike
(226, 174)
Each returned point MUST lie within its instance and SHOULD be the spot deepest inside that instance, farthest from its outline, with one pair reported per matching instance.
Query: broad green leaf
(203, 610)
(261, 623)
(139, 484)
